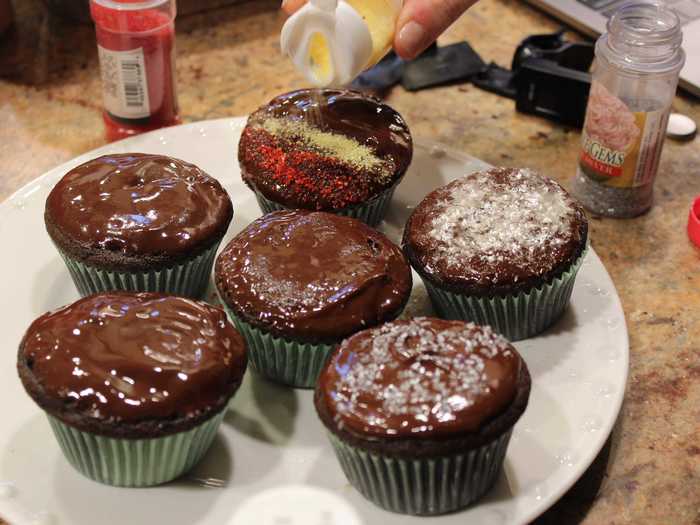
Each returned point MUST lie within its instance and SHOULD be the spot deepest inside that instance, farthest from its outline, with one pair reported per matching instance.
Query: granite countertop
(229, 63)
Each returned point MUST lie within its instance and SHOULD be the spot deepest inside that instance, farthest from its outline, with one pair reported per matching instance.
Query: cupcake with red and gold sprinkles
(330, 150)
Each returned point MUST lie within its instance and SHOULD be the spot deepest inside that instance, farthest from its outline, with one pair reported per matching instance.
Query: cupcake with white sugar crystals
(420, 412)
(500, 247)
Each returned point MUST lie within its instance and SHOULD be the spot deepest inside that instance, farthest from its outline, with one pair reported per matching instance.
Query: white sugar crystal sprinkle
(280, 284)
(478, 218)
(438, 373)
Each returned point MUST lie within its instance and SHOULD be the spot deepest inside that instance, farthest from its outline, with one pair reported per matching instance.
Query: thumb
(422, 21)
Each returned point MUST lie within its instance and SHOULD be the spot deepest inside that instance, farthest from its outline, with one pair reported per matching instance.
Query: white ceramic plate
(271, 464)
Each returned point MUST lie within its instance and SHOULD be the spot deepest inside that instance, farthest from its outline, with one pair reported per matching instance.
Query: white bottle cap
(342, 43)
(681, 127)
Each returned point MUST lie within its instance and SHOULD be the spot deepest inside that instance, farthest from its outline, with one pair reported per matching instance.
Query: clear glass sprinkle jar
(635, 75)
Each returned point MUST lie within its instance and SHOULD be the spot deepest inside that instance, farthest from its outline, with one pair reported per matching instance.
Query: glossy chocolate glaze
(305, 176)
(313, 276)
(495, 232)
(419, 378)
(135, 204)
(125, 358)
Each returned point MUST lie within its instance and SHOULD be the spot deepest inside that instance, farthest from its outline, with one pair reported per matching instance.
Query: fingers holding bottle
(419, 24)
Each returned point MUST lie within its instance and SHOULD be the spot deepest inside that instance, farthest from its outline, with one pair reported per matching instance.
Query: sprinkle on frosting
(324, 150)
(313, 276)
(339, 147)
(500, 216)
(280, 286)
(423, 376)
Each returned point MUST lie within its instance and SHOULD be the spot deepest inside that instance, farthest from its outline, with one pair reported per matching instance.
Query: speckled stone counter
(229, 63)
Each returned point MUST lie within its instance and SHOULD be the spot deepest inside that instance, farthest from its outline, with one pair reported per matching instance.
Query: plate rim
(535, 510)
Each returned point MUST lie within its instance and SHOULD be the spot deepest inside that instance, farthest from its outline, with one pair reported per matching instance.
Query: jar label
(124, 83)
(620, 148)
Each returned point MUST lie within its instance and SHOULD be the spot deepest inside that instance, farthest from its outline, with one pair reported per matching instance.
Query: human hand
(419, 24)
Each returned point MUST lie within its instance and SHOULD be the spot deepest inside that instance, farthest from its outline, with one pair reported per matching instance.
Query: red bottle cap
(694, 222)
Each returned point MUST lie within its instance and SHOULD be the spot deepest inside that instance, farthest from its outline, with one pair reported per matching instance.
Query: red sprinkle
(307, 178)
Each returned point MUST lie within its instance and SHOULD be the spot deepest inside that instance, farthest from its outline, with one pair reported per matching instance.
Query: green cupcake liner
(189, 279)
(135, 462)
(371, 213)
(426, 486)
(282, 360)
(515, 316)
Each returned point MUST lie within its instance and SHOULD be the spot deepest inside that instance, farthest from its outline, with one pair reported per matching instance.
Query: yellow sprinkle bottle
(333, 41)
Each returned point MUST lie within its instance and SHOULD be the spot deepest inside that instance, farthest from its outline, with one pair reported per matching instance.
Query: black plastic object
(551, 77)
(552, 91)
(548, 76)
(457, 62)
(554, 47)
(387, 73)
(496, 79)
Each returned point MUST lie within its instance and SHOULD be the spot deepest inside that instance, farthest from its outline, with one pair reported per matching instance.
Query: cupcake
(325, 150)
(134, 384)
(297, 282)
(500, 247)
(420, 411)
(138, 222)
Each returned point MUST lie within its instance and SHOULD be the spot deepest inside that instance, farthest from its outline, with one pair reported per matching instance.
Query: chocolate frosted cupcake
(328, 150)
(420, 412)
(296, 283)
(138, 222)
(134, 385)
(500, 247)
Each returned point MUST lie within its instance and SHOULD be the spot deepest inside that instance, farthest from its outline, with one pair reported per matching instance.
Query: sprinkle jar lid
(694, 222)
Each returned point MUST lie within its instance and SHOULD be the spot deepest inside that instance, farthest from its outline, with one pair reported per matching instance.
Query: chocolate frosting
(313, 276)
(324, 149)
(419, 378)
(125, 358)
(497, 231)
(137, 205)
